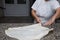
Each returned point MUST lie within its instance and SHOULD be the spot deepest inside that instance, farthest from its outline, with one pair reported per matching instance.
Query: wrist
(53, 18)
(37, 18)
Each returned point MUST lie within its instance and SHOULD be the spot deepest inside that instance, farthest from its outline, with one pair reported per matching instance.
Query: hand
(49, 22)
(38, 20)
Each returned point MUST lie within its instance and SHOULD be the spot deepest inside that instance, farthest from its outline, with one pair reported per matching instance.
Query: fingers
(48, 23)
(38, 20)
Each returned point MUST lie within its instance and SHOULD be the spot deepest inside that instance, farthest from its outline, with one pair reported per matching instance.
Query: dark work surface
(16, 20)
(19, 20)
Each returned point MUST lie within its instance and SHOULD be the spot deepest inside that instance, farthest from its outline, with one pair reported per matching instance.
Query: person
(45, 11)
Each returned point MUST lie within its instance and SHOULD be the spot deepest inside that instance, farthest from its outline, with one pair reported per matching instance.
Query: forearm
(34, 14)
(54, 17)
(57, 14)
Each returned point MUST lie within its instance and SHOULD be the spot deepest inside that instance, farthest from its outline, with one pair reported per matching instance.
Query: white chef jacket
(45, 9)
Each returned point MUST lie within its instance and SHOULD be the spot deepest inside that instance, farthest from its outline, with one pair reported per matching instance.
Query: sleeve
(56, 5)
(34, 6)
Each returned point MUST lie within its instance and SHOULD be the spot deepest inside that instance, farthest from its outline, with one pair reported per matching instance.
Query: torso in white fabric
(45, 9)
